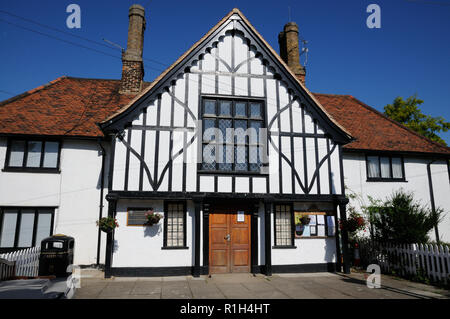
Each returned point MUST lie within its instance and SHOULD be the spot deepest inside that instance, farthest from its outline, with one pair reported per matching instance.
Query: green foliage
(107, 224)
(409, 114)
(400, 219)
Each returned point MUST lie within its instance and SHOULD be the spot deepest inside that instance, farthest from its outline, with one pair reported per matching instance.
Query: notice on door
(240, 216)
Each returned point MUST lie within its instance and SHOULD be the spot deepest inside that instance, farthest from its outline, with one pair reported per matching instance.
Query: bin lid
(58, 237)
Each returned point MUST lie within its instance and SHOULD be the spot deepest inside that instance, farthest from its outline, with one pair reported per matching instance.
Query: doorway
(229, 241)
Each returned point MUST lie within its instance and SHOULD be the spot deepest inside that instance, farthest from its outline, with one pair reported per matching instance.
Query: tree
(400, 219)
(409, 114)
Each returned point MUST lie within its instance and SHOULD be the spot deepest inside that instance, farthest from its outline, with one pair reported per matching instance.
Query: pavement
(247, 286)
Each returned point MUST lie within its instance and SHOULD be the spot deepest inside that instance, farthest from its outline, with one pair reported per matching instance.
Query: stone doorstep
(91, 273)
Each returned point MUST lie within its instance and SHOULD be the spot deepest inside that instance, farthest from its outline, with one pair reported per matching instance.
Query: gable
(203, 52)
(159, 145)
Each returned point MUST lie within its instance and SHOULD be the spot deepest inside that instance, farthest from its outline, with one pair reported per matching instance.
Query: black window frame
(18, 224)
(233, 117)
(24, 168)
(166, 214)
(385, 179)
(292, 245)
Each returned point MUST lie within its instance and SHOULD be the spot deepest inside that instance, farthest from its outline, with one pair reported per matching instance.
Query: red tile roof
(372, 130)
(72, 106)
(65, 107)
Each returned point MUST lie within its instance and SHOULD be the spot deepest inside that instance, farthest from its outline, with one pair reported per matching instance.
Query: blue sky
(409, 54)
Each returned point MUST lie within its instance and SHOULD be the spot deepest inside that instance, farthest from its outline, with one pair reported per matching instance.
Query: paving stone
(117, 289)
(235, 291)
(175, 290)
(204, 290)
(147, 288)
(263, 290)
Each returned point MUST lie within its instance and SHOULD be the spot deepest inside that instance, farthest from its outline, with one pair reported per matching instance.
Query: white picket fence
(427, 260)
(26, 261)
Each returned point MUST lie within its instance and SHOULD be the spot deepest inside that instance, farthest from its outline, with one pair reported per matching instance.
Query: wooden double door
(229, 241)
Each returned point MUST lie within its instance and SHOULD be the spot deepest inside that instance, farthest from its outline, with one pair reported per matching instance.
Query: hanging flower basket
(107, 224)
(354, 223)
(152, 218)
(299, 229)
(304, 220)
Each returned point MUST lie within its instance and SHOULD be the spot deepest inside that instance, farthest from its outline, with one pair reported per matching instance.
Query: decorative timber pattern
(157, 146)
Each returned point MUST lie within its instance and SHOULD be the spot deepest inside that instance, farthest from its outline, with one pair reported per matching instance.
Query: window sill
(316, 237)
(285, 247)
(31, 170)
(231, 173)
(174, 248)
(387, 180)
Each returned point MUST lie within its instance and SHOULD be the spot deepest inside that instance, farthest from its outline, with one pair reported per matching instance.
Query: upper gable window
(382, 168)
(33, 155)
(231, 135)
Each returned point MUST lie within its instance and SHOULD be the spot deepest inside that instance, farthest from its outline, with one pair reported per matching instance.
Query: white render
(74, 192)
(416, 181)
(140, 246)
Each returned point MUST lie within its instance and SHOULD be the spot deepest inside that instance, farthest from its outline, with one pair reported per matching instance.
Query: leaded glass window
(232, 135)
(283, 225)
(175, 224)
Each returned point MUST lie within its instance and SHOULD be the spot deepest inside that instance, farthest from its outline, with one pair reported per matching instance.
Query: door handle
(227, 237)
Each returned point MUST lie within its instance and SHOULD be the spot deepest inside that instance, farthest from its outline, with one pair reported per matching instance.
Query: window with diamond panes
(231, 131)
(283, 225)
(175, 225)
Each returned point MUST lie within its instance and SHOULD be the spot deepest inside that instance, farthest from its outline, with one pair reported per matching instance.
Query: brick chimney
(132, 64)
(289, 50)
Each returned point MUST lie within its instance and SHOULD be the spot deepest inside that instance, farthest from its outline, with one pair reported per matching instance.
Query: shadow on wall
(330, 250)
(151, 231)
(191, 212)
(333, 186)
(116, 246)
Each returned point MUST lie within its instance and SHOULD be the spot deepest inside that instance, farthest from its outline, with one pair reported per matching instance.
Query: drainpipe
(433, 207)
(100, 211)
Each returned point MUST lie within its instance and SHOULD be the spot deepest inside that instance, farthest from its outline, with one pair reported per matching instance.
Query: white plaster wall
(80, 198)
(75, 192)
(27, 189)
(416, 181)
(140, 246)
(308, 251)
